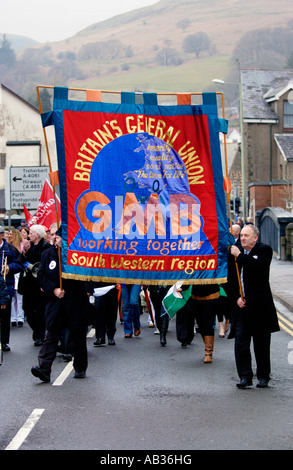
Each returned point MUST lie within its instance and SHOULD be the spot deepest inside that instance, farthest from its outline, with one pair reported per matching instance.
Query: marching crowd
(59, 310)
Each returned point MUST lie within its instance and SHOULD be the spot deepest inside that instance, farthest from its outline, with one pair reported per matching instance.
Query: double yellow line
(285, 324)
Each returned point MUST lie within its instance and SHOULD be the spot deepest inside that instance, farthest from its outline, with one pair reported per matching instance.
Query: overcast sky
(56, 20)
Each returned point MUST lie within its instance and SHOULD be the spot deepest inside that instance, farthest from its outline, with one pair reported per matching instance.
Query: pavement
(281, 281)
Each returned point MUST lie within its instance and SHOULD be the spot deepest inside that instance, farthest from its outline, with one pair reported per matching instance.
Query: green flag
(174, 300)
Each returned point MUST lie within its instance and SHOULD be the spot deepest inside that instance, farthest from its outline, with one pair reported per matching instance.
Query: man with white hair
(255, 316)
(33, 298)
(236, 229)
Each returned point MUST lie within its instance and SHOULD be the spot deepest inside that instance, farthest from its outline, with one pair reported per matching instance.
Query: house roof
(275, 93)
(259, 88)
(19, 97)
(285, 145)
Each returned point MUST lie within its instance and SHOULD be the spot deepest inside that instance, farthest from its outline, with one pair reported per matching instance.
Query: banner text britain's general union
(111, 130)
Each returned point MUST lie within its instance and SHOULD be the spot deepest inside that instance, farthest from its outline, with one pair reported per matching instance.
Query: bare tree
(197, 43)
(168, 56)
(183, 24)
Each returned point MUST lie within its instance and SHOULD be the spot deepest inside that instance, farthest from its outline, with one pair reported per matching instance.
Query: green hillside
(144, 49)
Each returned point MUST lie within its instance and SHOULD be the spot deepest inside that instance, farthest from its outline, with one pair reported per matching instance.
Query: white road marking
(25, 429)
(68, 369)
(37, 412)
(64, 374)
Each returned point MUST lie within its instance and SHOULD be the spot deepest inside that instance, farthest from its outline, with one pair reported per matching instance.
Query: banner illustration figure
(141, 188)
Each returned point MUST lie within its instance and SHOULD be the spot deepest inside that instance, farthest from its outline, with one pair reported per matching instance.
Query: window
(288, 115)
(2, 160)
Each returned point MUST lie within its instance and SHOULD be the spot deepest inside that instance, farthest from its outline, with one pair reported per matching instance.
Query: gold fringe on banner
(114, 280)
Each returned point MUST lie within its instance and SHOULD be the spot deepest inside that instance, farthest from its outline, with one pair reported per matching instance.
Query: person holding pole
(67, 306)
(255, 314)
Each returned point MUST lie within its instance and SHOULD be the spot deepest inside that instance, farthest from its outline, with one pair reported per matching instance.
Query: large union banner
(141, 189)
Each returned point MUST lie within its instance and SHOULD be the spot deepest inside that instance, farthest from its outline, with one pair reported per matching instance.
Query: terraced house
(267, 108)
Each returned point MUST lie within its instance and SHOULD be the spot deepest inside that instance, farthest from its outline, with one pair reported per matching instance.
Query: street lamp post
(222, 82)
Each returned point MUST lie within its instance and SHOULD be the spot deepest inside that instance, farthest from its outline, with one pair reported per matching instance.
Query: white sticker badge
(52, 265)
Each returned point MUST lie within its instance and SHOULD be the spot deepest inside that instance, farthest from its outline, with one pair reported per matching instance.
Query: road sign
(24, 186)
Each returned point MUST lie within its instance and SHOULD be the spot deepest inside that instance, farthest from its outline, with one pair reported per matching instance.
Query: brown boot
(209, 347)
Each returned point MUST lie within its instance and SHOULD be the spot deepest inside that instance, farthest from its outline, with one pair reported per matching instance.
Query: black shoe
(79, 375)
(262, 383)
(13, 323)
(244, 383)
(67, 357)
(111, 342)
(183, 345)
(163, 339)
(99, 342)
(38, 342)
(42, 374)
(5, 347)
(20, 323)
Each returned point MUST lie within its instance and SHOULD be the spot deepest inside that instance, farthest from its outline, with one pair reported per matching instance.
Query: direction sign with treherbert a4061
(26, 184)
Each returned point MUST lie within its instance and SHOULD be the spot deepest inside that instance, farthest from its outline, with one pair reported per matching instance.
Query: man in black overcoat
(66, 307)
(255, 314)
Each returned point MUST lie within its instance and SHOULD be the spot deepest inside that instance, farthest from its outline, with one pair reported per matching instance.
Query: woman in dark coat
(4, 301)
(9, 258)
(65, 307)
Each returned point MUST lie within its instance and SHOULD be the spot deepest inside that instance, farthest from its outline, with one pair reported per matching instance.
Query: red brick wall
(262, 196)
(278, 196)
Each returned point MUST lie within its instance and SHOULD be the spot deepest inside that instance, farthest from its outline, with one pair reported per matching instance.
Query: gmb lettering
(96, 215)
